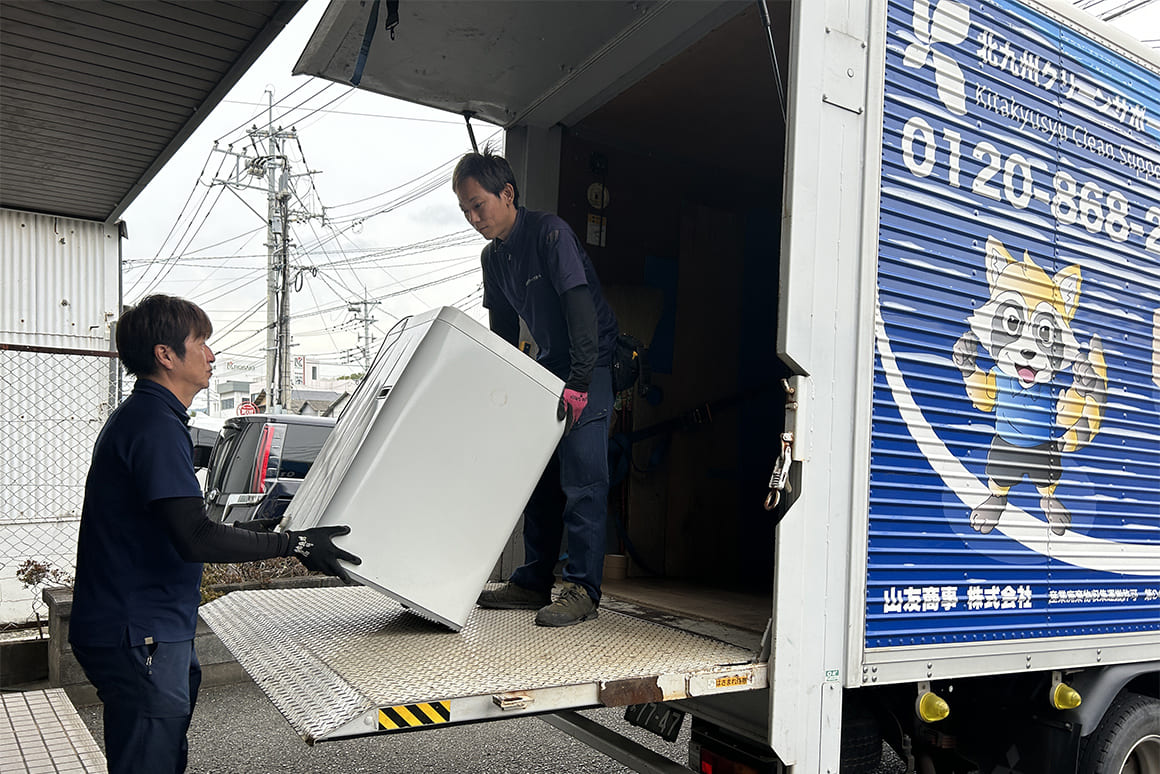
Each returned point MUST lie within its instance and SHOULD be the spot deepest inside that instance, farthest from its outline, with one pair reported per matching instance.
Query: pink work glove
(572, 404)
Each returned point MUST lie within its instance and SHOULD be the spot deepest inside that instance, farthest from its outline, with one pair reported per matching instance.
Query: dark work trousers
(572, 495)
(149, 692)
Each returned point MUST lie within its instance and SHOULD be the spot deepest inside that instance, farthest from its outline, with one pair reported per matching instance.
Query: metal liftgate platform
(349, 661)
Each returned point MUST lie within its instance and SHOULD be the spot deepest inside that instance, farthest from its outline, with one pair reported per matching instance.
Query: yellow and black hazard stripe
(414, 715)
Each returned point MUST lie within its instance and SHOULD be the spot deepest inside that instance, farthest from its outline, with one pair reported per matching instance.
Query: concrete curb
(23, 661)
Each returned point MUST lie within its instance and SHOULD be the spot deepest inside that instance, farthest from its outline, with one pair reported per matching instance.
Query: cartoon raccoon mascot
(1025, 328)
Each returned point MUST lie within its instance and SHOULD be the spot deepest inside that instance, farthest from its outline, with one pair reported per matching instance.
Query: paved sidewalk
(41, 733)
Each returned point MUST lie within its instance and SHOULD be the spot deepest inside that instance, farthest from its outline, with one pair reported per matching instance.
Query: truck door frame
(825, 334)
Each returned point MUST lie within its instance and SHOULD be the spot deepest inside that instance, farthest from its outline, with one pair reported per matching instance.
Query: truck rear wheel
(861, 740)
(1127, 740)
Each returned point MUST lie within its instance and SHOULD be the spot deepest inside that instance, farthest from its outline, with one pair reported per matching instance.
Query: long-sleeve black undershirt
(198, 539)
(580, 317)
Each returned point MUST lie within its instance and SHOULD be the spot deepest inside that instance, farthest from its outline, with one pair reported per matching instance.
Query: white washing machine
(432, 462)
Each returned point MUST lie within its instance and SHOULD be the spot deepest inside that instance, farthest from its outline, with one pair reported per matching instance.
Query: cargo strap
(369, 35)
(779, 479)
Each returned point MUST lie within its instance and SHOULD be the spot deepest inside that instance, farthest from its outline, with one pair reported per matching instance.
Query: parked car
(259, 461)
(203, 432)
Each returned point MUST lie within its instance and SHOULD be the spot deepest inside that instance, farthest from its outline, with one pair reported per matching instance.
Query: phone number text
(1012, 178)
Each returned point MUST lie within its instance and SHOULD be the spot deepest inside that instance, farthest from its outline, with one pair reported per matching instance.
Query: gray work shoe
(571, 607)
(509, 596)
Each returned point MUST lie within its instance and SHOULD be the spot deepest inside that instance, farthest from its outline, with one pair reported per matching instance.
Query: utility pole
(277, 170)
(270, 163)
(283, 338)
(273, 231)
(362, 312)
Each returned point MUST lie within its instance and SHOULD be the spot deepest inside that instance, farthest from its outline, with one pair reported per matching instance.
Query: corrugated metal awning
(96, 97)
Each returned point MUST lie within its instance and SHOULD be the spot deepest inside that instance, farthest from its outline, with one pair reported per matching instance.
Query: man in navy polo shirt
(143, 537)
(535, 269)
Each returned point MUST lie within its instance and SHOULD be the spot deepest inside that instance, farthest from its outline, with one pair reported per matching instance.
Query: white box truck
(907, 255)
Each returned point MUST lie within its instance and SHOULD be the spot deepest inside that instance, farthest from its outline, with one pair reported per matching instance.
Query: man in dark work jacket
(143, 537)
(535, 269)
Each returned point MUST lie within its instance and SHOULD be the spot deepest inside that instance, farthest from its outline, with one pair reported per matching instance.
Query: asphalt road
(236, 730)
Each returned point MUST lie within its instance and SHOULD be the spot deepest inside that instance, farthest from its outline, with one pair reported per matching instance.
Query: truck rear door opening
(686, 247)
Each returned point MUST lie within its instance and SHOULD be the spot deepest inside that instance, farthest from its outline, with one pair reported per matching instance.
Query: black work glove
(259, 525)
(316, 550)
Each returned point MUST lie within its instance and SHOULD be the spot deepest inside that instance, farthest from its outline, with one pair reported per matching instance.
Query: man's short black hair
(490, 170)
(158, 319)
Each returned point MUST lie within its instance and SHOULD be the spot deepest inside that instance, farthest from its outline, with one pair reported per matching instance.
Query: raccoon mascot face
(1025, 326)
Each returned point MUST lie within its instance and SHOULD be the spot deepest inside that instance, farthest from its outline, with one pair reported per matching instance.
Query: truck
(897, 477)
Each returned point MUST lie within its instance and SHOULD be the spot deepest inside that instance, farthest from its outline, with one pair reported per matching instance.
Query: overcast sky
(192, 237)
(382, 169)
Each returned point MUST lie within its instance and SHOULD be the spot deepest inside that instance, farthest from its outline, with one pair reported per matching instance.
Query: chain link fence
(53, 402)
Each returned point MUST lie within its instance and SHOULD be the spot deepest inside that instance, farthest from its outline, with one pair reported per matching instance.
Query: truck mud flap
(348, 661)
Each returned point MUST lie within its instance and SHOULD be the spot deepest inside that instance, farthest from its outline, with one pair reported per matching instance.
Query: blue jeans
(572, 495)
(149, 692)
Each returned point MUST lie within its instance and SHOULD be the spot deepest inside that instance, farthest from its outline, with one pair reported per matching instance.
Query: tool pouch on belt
(629, 364)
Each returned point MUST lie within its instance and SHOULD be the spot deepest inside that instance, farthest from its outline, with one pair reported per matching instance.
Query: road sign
(247, 408)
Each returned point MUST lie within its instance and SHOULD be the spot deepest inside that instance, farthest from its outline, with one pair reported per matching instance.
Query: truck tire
(1127, 740)
(861, 739)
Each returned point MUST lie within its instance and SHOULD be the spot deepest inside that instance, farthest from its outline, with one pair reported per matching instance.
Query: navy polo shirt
(539, 261)
(131, 584)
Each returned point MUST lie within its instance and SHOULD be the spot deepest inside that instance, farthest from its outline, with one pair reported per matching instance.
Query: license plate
(663, 721)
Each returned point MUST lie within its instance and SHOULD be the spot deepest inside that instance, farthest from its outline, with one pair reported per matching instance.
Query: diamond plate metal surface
(324, 656)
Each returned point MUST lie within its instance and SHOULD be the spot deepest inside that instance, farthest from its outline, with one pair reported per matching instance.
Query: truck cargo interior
(691, 157)
(657, 131)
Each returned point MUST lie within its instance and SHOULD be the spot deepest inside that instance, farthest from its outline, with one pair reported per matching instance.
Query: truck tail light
(713, 763)
(265, 443)
(713, 750)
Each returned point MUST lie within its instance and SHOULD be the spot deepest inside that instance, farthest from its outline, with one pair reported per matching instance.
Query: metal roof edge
(277, 22)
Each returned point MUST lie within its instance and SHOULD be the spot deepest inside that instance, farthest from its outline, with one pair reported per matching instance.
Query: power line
(305, 121)
(215, 260)
(441, 177)
(448, 165)
(345, 94)
(329, 329)
(242, 318)
(366, 115)
(298, 88)
(180, 215)
(168, 265)
(454, 239)
(380, 295)
(234, 284)
(1126, 8)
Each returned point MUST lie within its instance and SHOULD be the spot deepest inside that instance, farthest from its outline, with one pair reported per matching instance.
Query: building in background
(59, 380)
